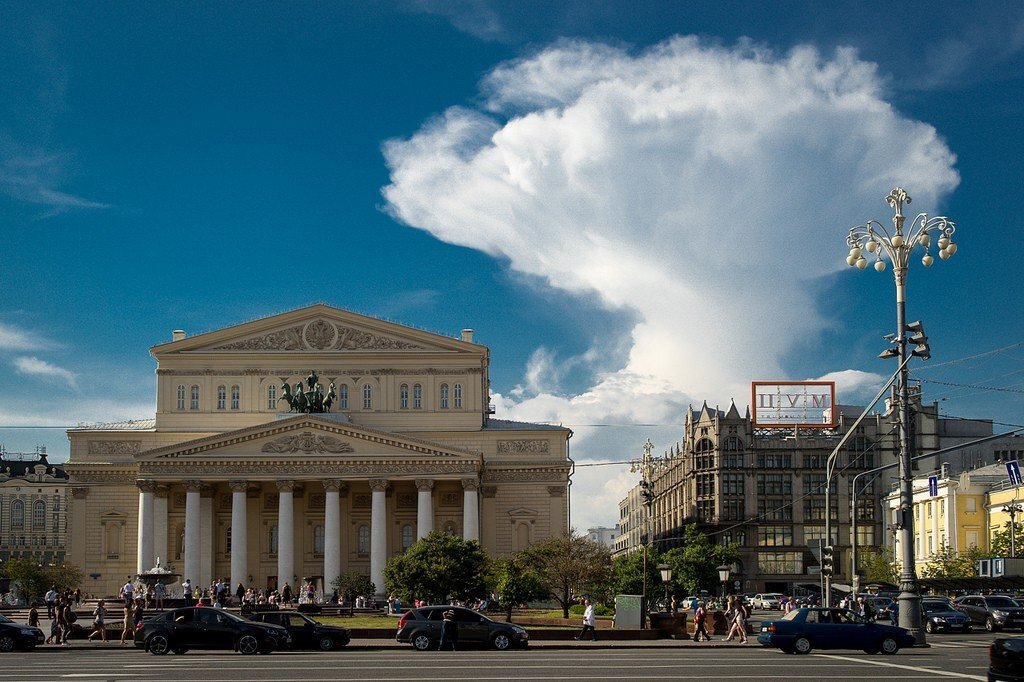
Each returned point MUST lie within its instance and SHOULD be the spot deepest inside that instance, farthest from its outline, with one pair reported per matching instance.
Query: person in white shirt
(589, 621)
(127, 591)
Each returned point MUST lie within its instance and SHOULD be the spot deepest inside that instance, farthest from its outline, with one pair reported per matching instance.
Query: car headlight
(1000, 614)
(519, 630)
(940, 619)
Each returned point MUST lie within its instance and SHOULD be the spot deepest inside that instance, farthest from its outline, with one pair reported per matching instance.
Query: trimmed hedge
(599, 610)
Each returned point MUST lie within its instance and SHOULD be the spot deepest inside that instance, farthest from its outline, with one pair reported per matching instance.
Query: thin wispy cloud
(33, 366)
(35, 179)
(665, 182)
(13, 338)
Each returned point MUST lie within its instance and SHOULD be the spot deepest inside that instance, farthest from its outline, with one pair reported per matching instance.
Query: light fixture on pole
(1013, 510)
(666, 578)
(723, 575)
(875, 240)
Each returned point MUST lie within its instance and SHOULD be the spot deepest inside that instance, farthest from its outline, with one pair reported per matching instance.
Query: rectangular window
(775, 461)
(865, 536)
(971, 504)
(972, 538)
(812, 534)
(733, 509)
(814, 484)
(774, 484)
(732, 484)
(775, 536)
(815, 460)
(457, 396)
(780, 563)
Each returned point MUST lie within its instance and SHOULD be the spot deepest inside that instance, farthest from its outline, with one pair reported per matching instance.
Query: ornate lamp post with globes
(875, 240)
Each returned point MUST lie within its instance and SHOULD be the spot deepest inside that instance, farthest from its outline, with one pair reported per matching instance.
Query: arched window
(417, 397)
(367, 397)
(17, 514)
(318, 540)
(272, 540)
(39, 516)
(407, 536)
(733, 444)
(457, 396)
(181, 396)
(363, 536)
(222, 398)
(403, 397)
(193, 403)
(343, 397)
(236, 397)
(444, 396)
(272, 397)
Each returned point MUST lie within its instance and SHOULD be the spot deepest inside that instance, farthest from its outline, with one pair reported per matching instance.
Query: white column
(285, 537)
(332, 533)
(470, 510)
(378, 533)
(239, 535)
(144, 543)
(424, 507)
(207, 528)
(192, 562)
(160, 525)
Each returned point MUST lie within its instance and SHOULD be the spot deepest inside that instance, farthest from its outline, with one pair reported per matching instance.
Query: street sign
(933, 486)
(737, 584)
(1013, 470)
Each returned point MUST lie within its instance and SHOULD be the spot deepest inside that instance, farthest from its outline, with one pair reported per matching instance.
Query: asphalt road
(951, 657)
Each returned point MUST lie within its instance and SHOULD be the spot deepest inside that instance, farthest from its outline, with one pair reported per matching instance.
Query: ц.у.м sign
(793, 404)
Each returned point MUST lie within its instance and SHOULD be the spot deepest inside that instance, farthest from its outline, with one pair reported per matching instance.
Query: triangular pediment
(305, 436)
(317, 329)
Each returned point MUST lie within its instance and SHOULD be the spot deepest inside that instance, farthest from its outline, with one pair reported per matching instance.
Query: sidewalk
(377, 644)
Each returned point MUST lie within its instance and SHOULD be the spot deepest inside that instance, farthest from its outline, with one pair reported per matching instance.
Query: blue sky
(636, 205)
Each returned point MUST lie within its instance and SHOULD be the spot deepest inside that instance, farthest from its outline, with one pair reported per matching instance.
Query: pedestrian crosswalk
(978, 644)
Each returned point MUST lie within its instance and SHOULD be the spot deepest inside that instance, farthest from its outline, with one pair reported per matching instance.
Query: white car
(768, 600)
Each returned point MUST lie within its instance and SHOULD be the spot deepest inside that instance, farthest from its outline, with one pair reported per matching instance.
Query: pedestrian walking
(127, 592)
(186, 590)
(286, 593)
(66, 619)
(51, 602)
(589, 622)
(33, 617)
(99, 622)
(449, 632)
(127, 621)
(738, 626)
(894, 611)
(699, 623)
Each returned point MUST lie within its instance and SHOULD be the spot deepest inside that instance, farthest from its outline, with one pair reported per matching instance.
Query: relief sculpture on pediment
(320, 335)
(307, 442)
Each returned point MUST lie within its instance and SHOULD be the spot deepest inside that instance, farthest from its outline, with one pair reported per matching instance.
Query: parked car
(806, 629)
(767, 600)
(422, 628)
(939, 615)
(18, 636)
(995, 612)
(204, 627)
(306, 633)
(1006, 660)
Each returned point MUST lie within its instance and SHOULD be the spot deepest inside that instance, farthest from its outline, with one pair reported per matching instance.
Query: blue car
(804, 630)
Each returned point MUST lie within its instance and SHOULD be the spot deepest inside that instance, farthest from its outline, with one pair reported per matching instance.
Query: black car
(422, 628)
(940, 615)
(204, 627)
(995, 612)
(306, 633)
(18, 636)
(1006, 660)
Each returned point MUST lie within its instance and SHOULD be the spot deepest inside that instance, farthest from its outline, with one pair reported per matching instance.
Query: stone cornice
(263, 471)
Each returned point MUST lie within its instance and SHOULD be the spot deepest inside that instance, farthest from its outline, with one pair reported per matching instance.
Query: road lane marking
(914, 668)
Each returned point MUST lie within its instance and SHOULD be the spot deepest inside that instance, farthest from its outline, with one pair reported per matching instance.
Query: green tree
(948, 563)
(66, 576)
(518, 582)
(34, 580)
(352, 585)
(628, 572)
(438, 567)
(695, 564)
(1001, 544)
(878, 565)
(570, 566)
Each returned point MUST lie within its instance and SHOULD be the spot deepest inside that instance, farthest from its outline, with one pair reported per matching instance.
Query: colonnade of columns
(152, 528)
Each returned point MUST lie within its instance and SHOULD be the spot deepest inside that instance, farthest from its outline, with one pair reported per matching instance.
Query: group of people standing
(737, 613)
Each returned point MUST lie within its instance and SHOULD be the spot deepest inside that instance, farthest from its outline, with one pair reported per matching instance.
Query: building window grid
(457, 396)
(222, 397)
(272, 397)
(181, 396)
(774, 461)
(403, 397)
(444, 396)
(367, 397)
(236, 397)
(417, 397)
(193, 403)
(732, 484)
(775, 536)
(343, 397)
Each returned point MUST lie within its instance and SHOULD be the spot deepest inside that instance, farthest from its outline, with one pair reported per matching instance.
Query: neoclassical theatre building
(235, 478)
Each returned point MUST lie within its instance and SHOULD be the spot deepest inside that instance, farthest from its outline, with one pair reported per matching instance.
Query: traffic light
(646, 492)
(827, 560)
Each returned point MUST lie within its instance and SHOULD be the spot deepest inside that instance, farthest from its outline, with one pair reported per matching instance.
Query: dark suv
(422, 628)
(204, 627)
(306, 633)
(995, 612)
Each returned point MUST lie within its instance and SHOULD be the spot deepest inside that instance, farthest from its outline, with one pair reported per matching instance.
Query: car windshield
(1000, 602)
(932, 606)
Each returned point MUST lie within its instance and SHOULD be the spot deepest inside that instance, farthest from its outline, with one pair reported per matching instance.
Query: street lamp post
(1013, 510)
(723, 575)
(666, 577)
(875, 239)
(646, 465)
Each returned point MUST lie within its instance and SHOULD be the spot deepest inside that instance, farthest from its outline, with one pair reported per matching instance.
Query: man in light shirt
(589, 621)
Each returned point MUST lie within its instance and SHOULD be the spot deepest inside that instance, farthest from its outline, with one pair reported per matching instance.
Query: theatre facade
(306, 445)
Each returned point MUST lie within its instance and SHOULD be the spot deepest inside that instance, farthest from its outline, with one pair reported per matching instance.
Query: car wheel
(929, 628)
(248, 645)
(990, 624)
(6, 643)
(889, 646)
(802, 645)
(180, 650)
(326, 643)
(501, 641)
(158, 645)
(421, 642)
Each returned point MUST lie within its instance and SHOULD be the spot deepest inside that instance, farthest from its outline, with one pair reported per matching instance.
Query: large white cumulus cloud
(701, 187)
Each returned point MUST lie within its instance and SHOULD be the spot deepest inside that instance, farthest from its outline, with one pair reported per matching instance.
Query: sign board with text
(793, 404)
